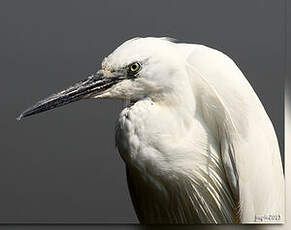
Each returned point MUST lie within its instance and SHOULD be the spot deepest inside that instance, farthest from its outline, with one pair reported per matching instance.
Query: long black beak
(94, 84)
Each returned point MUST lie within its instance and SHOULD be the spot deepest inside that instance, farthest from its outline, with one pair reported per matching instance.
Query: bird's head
(140, 67)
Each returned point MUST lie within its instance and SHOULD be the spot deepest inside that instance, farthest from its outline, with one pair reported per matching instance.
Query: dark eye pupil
(134, 67)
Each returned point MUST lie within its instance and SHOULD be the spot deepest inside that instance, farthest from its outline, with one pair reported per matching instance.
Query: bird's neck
(145, 124)
(178, 98)
(169, 156)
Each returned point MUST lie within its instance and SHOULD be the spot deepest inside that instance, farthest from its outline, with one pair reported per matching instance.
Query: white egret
(197, 142)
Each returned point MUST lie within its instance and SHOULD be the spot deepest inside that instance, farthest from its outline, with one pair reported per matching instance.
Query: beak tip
(19, 117)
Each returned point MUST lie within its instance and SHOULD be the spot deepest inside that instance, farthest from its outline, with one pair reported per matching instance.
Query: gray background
(62, 166)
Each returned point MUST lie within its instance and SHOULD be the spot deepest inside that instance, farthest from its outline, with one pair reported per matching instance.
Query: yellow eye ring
(134, 67)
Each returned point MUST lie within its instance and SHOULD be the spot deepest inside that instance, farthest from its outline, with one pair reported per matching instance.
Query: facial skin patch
(106, 72)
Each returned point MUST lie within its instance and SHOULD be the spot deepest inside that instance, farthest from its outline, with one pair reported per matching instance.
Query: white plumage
(197, 142)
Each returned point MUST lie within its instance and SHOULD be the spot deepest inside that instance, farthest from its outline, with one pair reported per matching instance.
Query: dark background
(62, 166)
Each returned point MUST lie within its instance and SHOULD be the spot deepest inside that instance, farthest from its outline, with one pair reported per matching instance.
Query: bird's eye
(134, 68)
